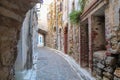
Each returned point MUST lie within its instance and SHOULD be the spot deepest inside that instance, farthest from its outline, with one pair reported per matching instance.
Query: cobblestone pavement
(49, 65)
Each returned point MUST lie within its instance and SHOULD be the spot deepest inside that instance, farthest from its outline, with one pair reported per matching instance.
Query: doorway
(65, 39)
(84, 45)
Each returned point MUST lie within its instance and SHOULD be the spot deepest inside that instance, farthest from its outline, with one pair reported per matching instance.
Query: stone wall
(112, 24)
(88, 3)
(73, 32)
(106, 67)
(51, 35)
(106, 63)
(12, 14)
(73, 42)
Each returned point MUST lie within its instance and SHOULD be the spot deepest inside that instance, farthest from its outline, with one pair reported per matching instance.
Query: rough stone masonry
(12, 13)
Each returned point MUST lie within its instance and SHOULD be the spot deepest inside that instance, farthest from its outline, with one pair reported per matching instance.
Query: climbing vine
(75, 17)
(75, 14)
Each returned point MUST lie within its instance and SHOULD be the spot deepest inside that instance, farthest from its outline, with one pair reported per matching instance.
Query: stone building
(42, 24)
(99, 38)
(65, 36)
(55, 24)
(95, 43)
(51, 26)
(73, 32)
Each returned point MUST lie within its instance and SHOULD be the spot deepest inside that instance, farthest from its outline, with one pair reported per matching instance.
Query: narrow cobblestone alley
(60, 40)
(49, 65)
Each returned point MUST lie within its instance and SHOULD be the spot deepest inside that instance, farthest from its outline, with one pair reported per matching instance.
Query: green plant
(75, 14)
(75, 17)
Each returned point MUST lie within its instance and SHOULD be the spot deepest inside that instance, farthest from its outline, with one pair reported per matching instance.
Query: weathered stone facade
(95, 43)
(103, 29)
(51, 26)
(65, 36)
(55, 19)
(12, 14)
(73, 32)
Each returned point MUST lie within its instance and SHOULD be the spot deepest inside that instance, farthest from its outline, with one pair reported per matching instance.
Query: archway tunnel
(12, 14)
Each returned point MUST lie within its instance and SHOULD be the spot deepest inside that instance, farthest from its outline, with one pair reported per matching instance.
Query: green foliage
(75, 17)
(75, 14)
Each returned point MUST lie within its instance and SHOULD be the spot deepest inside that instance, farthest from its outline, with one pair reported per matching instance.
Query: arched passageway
(12, 13)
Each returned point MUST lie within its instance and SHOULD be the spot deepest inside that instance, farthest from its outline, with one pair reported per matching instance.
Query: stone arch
(12, 13)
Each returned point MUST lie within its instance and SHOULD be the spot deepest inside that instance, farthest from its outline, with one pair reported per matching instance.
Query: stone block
(110, 61)
(95, 60)
(105, 78)
(103, 62)
(98, 77)
(94, 73)
(117, 72)
(119, 35)
(109, 69)
(108, 75)
(99, 55)
(116, 78)
(101, 66)
(114, 45)
(99, 71)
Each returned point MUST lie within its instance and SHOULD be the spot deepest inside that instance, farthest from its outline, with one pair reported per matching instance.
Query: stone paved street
(49, 65)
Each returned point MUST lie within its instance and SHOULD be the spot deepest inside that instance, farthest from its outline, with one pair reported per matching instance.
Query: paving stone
(50, 65)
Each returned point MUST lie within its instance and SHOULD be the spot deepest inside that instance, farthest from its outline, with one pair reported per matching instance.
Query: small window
(60, 6)
(54, 29)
